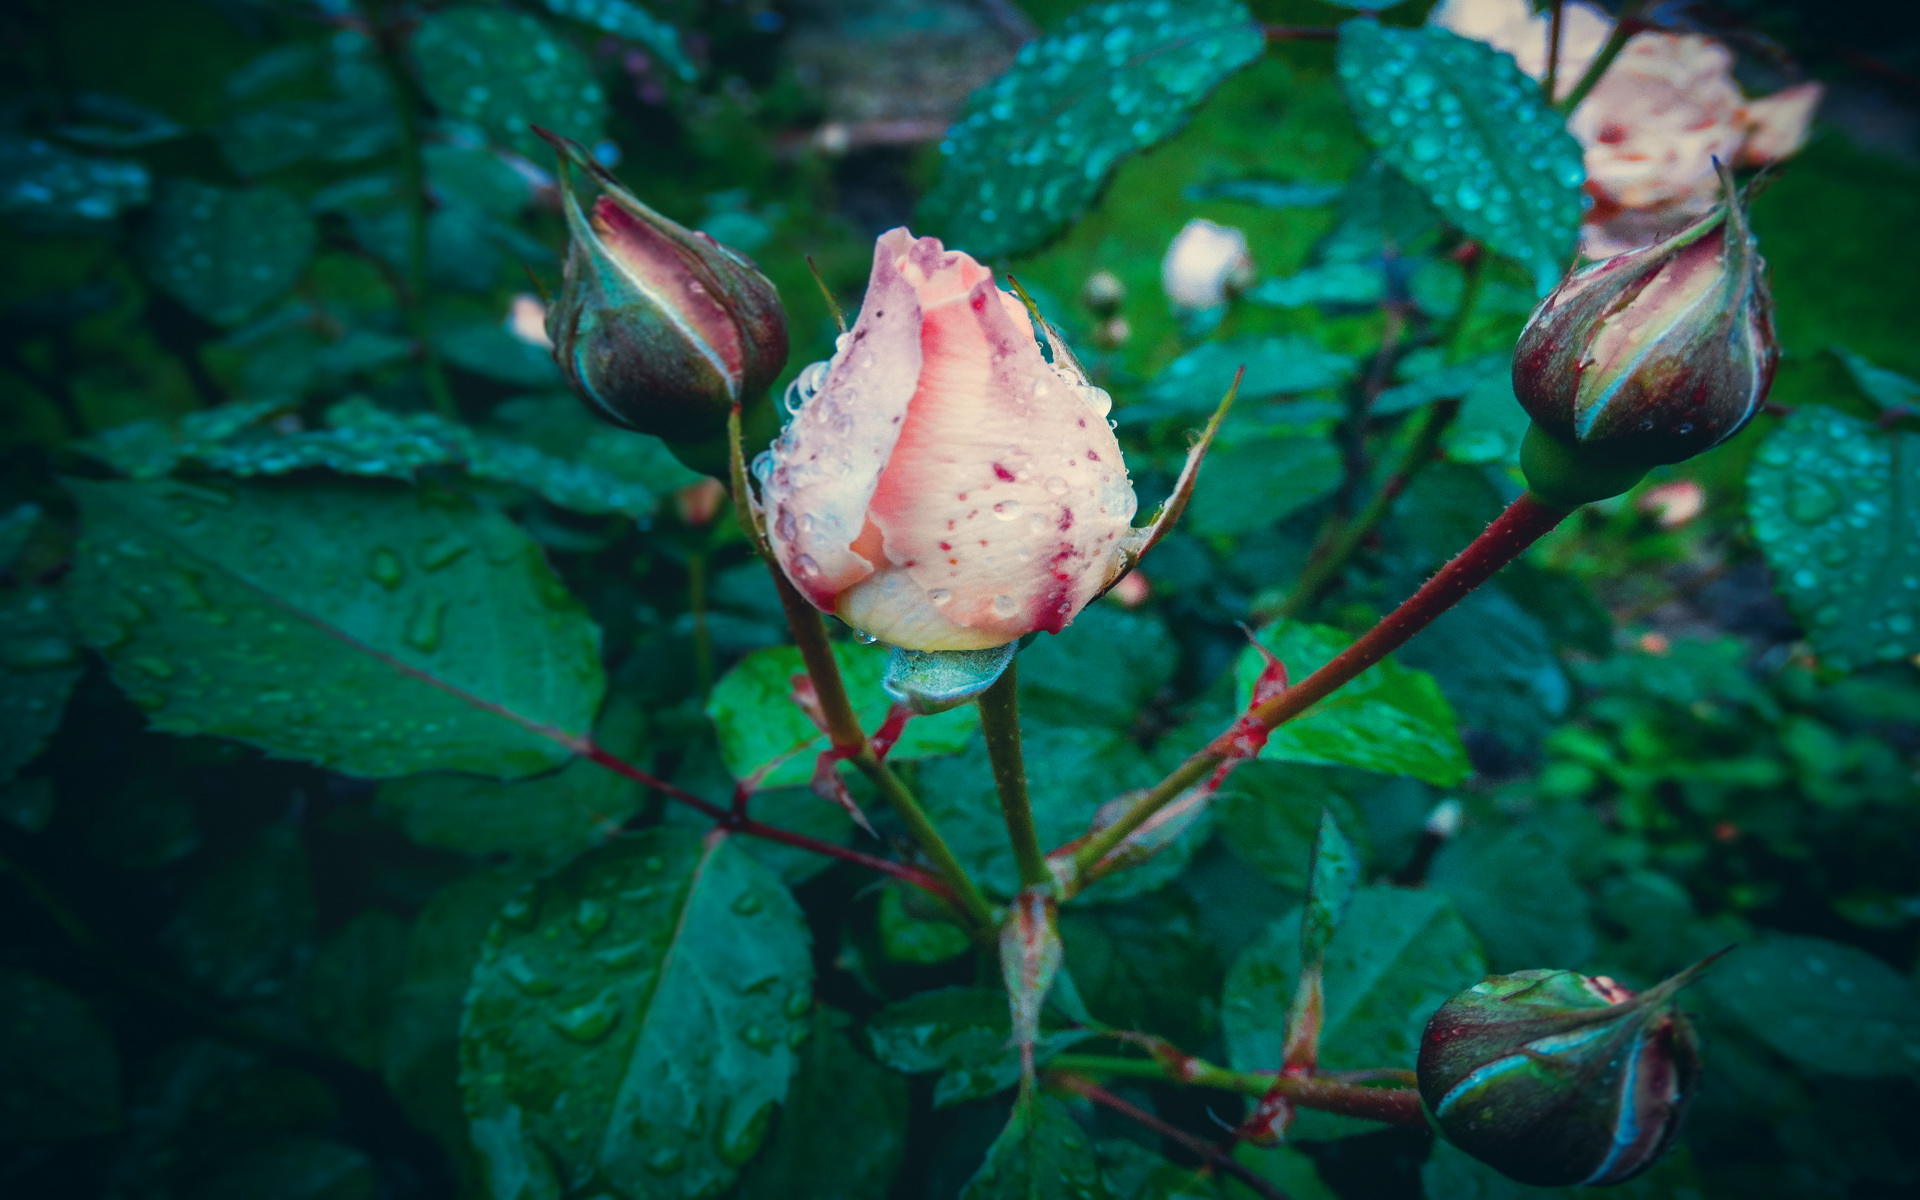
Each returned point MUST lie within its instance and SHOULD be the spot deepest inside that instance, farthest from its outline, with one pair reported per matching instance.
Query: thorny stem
(1360, 410)
(1624, 27)
(1000, 721)
(1522, 524)
(1394, 1105)
(414, 182)
(1207, 1152)
(843, 728)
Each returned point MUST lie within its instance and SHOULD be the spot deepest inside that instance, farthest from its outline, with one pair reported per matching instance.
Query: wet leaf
(633, 1018)
(1145, 964)
(623, 19)
(225, 252)
(43, 187)
(1099, 672)
(842, 1131)
(1462, 123)
(1827, 1006)
(1193, 384)
(506, 71)
(59, 1075)
(1043, 1154)
(1332, 875)
(1251, 484)
(1517, 893)
(1269, 812)
(1835, 506)
(1396, 958)
(965, 1033)
(1390, 719)
(373, 630)
(1134, 1172)
(1286, 1167)
(278, 136)
(1033, 148)
(908, 936)
(1495, 664)
(760, 726)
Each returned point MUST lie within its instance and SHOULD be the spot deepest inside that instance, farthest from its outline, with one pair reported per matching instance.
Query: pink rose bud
(945, 484)
(659, 328)
(1648, 357)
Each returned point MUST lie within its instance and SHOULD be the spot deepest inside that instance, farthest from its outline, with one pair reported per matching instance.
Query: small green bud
(1557, 1078)
(1648, 357)
(659, 328)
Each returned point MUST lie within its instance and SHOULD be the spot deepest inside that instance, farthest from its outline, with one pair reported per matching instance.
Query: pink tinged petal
(829, 459)
(1778, 124)
(1005, 503)
(660, 269)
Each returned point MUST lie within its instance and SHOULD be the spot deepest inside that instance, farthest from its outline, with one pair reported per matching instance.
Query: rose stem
(1522, 524)
(1081, 1086)
(810, 634)
(1395, 1105)
(1553, 51)
(1000, 721)
(1624, 26)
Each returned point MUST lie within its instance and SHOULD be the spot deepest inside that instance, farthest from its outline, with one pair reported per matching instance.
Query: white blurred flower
(1205, 264)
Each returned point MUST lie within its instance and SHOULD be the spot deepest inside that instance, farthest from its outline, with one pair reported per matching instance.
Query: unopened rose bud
(1558, 1078)
(1206, 264)
(1103, 293)
(660, 328)
(1648, 357)
(942, 485)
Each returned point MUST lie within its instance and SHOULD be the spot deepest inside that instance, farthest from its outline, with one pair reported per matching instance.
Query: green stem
(843, 729)
(1522, 524)
(1000, 721)
(413, 174)
(1401, 1106)
(1624, 27)
(1553, 50)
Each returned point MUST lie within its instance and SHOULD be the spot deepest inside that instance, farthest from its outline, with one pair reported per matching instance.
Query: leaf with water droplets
(507, 71)
(224, 252)
(1462, 122)
(624, 19)
(648, 1049)
(842, 1131)
(1826, 1005)
(43, 187)
(1835, 505)
(268, 612)
(1391, 718)
(1042, 1154)
(1396, 957)
(964, 1033)
(761, 726)
(1034, 147)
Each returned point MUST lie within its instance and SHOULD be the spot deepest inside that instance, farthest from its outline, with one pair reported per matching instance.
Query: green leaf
(1070, 774)
(506, 72)
(1289, 1169)
(281, 135)
(759, 725)
(1889, 389)
(1462, 122)
(295, 1168)
(1835, 506)
(965, 1033)
(1033, 148)
(1145, 964)
(1099, 672)
(362, 439)
(1248, 485)
(843, 1130)
(350, 986)
(1397, 957)
(43, 187)
(548, 817)
(626, 20)
(245, 931)
(1269, 813)
(1335, 283)
(1390, 719)
(1495, 664)
(1134, 1172)
(1516, 891)
(1441, 380)
(39, 666)
(633, 1018)
(1193, 384)
(1827, 1006)
(1267, 193)
(1041, 1155)
(1453, 1174)
(1490, 426)
(371, 629)
(59, 1075)
(912, 937)
(222, 252)
(1333, 875)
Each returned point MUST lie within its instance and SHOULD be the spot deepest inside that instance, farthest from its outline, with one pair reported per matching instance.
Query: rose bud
(1645, 358)
(658, 327)
(944, 484)
(1205, 264)
(1558, 1078)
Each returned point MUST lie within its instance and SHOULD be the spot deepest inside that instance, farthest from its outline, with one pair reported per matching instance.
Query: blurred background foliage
(231, 975)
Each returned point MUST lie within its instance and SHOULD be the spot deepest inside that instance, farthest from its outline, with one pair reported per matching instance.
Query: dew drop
(426, 624)
(590, 916)
(383, 567)
(746, 904)
(1007, 510)
(1056, 486)
(443, 550)
(1004, 606)
(665, 1161)
(588, 1022)
(939, 597)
